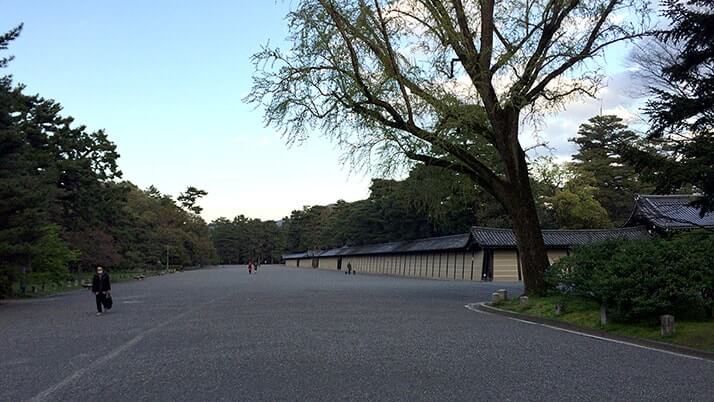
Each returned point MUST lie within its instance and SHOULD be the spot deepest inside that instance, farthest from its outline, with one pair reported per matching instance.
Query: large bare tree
(445, 83)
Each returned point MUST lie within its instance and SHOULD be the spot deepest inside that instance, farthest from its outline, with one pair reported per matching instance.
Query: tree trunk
(531, 248)
(520, 205)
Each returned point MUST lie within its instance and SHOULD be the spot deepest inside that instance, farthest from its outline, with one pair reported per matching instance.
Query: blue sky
(166, 79)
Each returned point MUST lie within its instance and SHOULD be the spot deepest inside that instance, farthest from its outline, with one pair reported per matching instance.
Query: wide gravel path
(300, 334)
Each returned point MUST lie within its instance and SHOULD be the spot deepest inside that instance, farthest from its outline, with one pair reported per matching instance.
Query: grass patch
(586, 313)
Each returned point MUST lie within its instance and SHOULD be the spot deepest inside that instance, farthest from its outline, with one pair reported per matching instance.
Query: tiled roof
(505, 238)
(669, 212)
(482, 237)
(304, 254)
(294, 256)
(430, 244)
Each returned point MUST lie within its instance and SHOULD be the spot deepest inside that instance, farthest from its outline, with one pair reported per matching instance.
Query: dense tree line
(429, 202)
(596, 190)
(63, 207)
(244, 239)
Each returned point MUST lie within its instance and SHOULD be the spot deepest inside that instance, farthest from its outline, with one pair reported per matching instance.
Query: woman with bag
(102, 288)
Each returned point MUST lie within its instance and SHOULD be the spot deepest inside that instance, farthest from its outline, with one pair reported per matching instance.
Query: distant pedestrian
(250, 267)
(101, 286)
(349, 269)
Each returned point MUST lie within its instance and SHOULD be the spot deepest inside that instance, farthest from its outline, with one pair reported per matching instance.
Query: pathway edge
(594, 333)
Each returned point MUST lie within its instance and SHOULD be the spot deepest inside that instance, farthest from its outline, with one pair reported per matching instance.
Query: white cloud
(557, 128)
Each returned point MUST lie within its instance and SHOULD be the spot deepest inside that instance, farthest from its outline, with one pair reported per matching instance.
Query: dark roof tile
(304, 254)
(669, 212)
(409, 246)
(505, 238)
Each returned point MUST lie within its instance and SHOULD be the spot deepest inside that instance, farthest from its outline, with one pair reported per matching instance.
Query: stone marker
(496, 298)
(503, 293)
(559, 308)
(603, 314)
(523, 300)
(667, 323)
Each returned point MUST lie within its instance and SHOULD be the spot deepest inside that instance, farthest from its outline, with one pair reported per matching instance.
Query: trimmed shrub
(642, 279)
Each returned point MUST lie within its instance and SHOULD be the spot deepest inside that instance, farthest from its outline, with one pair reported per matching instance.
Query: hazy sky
(166, 79)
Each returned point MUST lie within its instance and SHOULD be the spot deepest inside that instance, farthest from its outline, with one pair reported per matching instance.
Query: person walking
(101, 286)
(250, 267)
(349, 269)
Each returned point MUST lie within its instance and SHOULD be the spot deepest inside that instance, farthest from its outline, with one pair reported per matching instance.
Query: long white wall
(452, 265)
(458, 265)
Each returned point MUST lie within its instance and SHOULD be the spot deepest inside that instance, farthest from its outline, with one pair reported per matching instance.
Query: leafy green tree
(226, 240)
(54, 255)
(25, 181)
(599, 164)
(151, 222)
(81, 167)
(87, 164)
(450, 201)
(680, 150)
(641, 279)
(374, 77)
(94, 247)
(548, 178)
(244, 239)
(575, 207)
(28, 239)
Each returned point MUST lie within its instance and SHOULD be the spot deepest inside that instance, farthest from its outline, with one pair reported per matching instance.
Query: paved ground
(298, 334)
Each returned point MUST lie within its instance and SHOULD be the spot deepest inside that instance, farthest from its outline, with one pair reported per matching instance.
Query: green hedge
(642, 279)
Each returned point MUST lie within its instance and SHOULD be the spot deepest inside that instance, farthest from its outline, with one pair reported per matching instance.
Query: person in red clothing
(250, 267)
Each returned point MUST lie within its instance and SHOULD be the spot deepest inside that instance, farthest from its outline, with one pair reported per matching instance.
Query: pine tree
(683, 116)
(28, 239)
(189, 199)
(599, 164)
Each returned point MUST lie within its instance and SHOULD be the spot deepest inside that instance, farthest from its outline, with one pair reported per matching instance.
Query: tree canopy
(375, 76)
(189, 199)
(599, 165)
(680, 147)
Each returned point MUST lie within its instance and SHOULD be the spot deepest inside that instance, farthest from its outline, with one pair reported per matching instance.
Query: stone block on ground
(667, 323)
(559, 308)
(523, 301)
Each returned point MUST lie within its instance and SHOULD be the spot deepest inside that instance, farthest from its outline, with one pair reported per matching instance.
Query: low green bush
(642, 279)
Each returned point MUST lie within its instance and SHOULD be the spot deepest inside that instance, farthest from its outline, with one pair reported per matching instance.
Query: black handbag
(108, 302)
